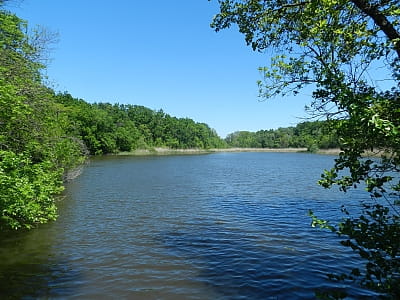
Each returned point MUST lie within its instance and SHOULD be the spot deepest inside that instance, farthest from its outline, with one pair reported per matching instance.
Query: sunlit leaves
(27, 191)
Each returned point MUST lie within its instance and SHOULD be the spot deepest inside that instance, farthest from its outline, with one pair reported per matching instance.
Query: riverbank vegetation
(34, 146)
(348, 53)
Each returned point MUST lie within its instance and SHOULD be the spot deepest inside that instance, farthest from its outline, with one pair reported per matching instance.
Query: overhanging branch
(381, 21)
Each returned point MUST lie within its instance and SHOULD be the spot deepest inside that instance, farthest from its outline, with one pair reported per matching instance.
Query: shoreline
(283, 150)
(195, 151)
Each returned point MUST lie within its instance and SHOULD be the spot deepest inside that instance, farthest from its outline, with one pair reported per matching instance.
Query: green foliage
(336, 48)
(110, 128)
(310, 135)
(27, 190)
(375, 236)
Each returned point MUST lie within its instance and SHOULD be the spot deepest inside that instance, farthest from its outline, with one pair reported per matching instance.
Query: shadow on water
(30, 270)
(250, 265)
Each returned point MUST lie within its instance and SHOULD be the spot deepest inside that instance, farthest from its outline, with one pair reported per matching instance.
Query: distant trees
(311, 135)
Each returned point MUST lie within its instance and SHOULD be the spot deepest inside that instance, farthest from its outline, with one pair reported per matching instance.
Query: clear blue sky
(161, 54)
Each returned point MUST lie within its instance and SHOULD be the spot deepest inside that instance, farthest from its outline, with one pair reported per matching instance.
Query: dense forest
(311, 135)
(44, 133)
(111, 128)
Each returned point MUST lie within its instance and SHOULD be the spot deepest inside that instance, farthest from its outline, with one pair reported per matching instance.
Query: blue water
(218, 226)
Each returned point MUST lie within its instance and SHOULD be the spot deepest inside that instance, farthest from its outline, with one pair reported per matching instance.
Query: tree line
(110, 128)
(311, 135)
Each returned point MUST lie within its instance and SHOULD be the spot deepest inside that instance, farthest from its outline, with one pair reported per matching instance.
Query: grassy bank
(294, 150)
(168, 151)
(164, 151)
(334, 151)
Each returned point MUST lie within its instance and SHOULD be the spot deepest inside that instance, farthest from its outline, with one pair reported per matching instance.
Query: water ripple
(223, 226)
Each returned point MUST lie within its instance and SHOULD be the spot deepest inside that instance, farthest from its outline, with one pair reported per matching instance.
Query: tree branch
(381, 21)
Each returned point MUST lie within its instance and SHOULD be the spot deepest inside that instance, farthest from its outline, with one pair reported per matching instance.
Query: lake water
(217, 226)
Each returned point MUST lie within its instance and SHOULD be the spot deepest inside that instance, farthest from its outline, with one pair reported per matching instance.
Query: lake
(215, 226)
